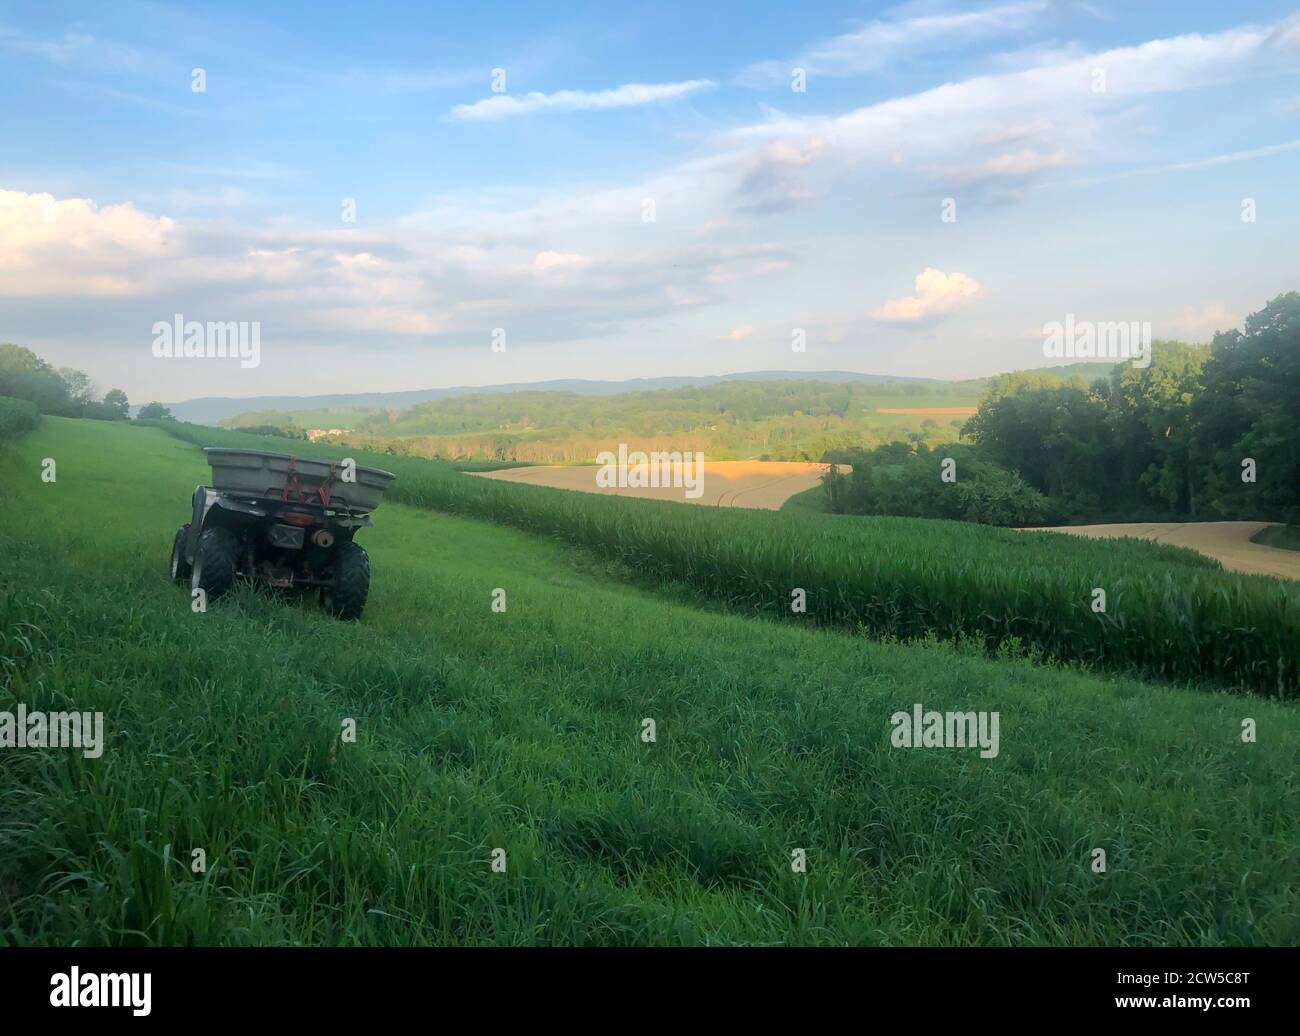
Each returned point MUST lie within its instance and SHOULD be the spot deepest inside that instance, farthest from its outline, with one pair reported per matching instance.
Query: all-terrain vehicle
(284, 521)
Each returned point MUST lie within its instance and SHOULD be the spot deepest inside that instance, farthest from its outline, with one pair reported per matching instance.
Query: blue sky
(1097, 154)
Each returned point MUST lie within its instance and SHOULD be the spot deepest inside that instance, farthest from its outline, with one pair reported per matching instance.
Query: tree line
(1207, 433)
(777, 420)
(65, 391)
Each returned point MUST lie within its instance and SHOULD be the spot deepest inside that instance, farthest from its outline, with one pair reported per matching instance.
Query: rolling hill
(522, 731)
(212, 409)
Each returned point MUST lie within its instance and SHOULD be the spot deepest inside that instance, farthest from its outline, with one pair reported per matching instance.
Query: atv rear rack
(349, 489)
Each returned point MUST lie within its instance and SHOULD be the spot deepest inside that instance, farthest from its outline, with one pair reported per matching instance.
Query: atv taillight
(297, 518)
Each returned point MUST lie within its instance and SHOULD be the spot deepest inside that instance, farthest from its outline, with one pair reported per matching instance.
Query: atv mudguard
(207, 500)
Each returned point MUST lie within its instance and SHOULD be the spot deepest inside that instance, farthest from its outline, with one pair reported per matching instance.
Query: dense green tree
(17, 359)
(116, 403)
(1151, 418)
(154, 411)
(80, 388)
(905, 479)
(1249, 410)
(24, 375)
(1053, 433)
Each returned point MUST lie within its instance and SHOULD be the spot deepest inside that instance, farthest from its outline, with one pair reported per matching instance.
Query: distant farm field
(780, 420)
(727, 483)
(966, 411)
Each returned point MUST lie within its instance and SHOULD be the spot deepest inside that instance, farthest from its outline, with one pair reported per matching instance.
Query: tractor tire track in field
(736, 494)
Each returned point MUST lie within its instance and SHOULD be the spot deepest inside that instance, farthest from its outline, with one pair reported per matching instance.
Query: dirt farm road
(1229, 542)
(769, 484)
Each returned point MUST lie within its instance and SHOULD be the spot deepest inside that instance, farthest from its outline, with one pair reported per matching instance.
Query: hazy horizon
(808, 375)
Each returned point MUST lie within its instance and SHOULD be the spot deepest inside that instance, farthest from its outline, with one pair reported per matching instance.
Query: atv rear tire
(215, 562)
(181, 568)
(346, 599)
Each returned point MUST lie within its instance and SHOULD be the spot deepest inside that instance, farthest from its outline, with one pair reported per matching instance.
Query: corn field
(1170, 613)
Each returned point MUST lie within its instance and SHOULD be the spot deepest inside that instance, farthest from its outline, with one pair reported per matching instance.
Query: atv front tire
(215, 562)
(346, 599)
(180, 567)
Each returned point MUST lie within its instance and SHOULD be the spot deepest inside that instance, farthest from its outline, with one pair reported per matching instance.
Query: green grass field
(1170, 612)
(520, 730)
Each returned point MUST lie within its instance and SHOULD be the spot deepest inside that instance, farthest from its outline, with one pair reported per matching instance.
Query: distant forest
(770, 420)
(780, 420)
(1205, 432)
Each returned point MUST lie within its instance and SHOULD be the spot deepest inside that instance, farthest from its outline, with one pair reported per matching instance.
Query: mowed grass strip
(1171, 613)
(520, 730)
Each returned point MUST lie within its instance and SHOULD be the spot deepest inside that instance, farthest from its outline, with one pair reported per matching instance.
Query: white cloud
(936, 293)
(1011, 166)
(1199, 323)
(69, 247)
(1249, 155)
(878, 42)
(960, 130)
(630, 95)
(771, 182)
(1005, 128)
(559, 261)
(739, 334)
(1287, 33)
(370, 289)
(987, 104)
(74, 50)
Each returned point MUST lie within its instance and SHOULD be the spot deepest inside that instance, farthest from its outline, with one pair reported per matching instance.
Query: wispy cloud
(878, 42)
(252, 168)
(74, 50)
(955, 133)
(630, 95)
(1247, 155)
(1014, 165)
(99, 90)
